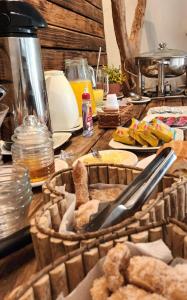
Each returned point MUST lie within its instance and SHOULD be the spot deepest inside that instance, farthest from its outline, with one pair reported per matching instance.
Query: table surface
(17, 268)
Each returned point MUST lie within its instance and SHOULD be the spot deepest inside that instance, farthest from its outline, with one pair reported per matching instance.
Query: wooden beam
(67, 19)
(54, 59)
(55, 37)
(82, 7)
(97, 3)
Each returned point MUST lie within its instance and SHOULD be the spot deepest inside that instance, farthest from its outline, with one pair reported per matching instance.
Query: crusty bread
(179, 167)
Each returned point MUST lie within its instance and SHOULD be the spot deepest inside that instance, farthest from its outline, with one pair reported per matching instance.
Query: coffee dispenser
(21, 73)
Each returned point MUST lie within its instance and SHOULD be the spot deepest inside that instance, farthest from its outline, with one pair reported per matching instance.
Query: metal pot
(170, 62)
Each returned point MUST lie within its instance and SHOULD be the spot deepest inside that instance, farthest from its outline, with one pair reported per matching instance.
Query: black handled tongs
(135, 195)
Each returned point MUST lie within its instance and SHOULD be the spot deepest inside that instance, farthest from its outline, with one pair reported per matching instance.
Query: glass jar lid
(32, 131)
(163, 52)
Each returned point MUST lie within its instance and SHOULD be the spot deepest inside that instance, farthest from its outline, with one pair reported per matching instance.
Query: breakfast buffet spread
(110, 259)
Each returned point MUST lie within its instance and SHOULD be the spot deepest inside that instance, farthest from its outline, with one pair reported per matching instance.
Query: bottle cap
(86, 94)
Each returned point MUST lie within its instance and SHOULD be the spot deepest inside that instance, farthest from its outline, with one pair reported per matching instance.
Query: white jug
(62, 102)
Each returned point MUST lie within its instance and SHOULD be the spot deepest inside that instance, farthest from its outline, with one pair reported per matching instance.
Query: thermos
(21, 73)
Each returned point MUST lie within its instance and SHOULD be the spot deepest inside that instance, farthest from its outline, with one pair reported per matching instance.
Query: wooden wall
(75, 29)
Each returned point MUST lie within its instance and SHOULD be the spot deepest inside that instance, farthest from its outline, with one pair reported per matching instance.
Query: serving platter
(59, 139)
(110, 156)
(150, 117)
(176, 110)
(143, 100)
(116, 145)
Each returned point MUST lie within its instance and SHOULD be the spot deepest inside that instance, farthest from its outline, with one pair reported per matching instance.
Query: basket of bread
(72, 196)
(139, 262)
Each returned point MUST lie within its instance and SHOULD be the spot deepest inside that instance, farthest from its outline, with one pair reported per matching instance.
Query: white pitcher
(62, 102)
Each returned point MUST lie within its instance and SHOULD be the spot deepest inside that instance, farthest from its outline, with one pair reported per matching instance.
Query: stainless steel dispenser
(161, 63)
(21, 72)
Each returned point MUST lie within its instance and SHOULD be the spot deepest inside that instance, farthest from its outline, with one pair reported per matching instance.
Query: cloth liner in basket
(49, 244)
(63, 275)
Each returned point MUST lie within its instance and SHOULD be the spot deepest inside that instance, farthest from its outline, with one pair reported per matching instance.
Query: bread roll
(179, 167)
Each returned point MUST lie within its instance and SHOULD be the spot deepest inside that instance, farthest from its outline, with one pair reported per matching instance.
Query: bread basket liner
(60, 276)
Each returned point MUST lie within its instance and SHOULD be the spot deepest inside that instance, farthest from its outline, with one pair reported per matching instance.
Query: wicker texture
(113, 119)
(60, 276)
(49, 244)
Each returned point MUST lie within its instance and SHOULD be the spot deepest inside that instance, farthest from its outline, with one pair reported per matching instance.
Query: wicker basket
(115, 119)
(61, 276)
(49, 244)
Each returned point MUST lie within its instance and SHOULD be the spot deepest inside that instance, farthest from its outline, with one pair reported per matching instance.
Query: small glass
(102, 87)
(68, 157)
(15, 197)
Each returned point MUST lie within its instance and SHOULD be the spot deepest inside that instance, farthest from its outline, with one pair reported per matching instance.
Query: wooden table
(16, 268)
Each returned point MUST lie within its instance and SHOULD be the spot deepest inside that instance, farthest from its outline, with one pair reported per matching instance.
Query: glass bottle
(87, 114)
(33, 147)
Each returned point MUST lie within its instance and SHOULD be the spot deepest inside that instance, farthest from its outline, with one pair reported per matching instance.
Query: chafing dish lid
(163, 52)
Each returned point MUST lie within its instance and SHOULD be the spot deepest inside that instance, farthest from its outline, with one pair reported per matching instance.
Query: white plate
(144, 100)
(142, 164)
(122, 157)
(118, 97)
(3, 150)
(150, 117)
(176, 110)
(59, 165)
(59, 138)
(117, 145)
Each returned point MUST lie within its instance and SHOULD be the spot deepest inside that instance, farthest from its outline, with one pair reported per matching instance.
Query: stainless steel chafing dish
(162, 63)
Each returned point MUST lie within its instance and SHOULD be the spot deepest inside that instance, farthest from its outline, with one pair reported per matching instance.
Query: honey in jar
(33, 148)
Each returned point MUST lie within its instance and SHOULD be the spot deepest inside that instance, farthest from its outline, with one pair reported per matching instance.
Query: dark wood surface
(83, 7)
(72, 26)
(18, 267)
(56, 61)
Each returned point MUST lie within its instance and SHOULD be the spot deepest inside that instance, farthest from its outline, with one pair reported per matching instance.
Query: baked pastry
(155, 276)
(131, 292)
(80, 179)
(106, 192)
(83, 213)
(179, 167)
(115, 265)
(146, 278)
(100, 290)
(149, 273)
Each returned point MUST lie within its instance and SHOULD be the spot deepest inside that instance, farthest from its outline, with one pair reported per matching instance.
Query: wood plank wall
(75, 29)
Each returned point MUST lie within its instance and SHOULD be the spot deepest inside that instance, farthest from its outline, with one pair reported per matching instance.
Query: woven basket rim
(52, 190)
(23, 288)
(89, 235)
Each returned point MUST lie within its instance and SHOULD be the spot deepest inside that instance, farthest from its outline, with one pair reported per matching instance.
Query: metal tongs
(135, 195)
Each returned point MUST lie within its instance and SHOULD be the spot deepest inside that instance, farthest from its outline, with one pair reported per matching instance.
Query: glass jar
(15, 197)
(33, 147)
